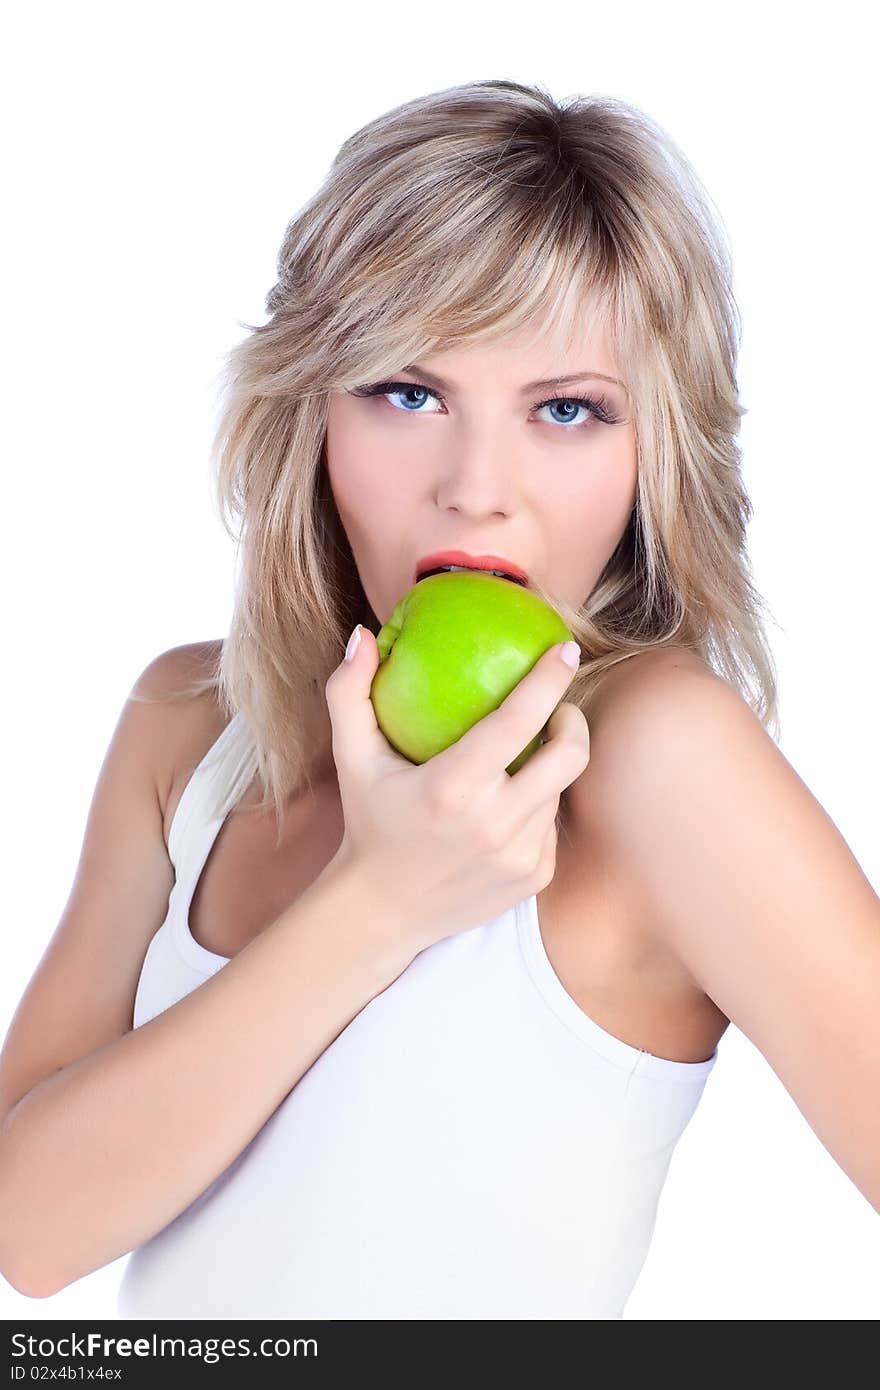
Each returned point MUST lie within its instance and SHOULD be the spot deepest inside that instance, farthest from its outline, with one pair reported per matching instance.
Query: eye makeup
(599, 406)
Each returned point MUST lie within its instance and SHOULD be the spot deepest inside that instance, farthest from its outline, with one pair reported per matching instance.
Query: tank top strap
(214, 787)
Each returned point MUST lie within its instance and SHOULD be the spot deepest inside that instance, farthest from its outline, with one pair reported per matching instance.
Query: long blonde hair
(456, 218)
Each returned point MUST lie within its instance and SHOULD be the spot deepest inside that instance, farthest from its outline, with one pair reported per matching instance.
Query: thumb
(357, 737)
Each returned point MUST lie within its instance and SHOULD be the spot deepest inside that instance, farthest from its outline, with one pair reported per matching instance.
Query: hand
(454, 842)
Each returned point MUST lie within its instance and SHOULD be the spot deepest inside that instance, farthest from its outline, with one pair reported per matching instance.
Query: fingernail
(353, 641)
(571, 654)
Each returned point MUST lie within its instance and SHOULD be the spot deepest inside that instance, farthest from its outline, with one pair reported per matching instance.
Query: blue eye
(578, 402)
(598, 407)
(400, 388)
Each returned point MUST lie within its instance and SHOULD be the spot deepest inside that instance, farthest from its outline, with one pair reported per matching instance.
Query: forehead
(539, 348)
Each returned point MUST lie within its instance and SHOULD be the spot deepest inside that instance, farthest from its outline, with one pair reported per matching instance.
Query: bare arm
(93, 1110)
(745, 876)
(99, 1157)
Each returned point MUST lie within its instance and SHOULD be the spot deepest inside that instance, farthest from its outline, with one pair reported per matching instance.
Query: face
(487, 464)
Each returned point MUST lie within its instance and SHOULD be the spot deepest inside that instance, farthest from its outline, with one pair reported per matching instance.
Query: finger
(483, 753)
(357, 738)
(555, 765)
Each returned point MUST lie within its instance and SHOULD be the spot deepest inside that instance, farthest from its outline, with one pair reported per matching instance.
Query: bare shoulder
(631, 693)
(652, 698)
(661, 672)
(172, 670)
(189, 723)
(641, 717)
(82, 994)
(744, 878)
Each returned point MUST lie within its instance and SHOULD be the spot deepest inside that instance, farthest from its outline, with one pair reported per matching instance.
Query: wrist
(365, 909)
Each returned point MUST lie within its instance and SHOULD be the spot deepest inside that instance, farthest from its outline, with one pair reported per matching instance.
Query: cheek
(612, 500)
(597, 499)
(591, 506)
(368, 486)
(350, 468)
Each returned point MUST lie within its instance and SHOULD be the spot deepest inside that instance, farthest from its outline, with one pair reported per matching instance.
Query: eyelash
(599, 406)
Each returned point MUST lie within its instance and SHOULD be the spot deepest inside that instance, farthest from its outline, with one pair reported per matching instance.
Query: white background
(155, 154)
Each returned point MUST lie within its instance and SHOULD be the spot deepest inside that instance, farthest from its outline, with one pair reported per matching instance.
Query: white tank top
(471, 1146)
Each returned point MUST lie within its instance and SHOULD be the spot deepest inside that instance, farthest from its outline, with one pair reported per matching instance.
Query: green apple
(452, 650)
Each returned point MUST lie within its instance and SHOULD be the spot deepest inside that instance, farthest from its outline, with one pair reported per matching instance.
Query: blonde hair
(457, 218)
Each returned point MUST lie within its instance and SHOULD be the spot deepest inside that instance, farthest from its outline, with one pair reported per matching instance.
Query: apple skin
(451, 652)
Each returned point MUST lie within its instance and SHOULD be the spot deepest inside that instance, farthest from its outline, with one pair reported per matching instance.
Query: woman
(419, 1041)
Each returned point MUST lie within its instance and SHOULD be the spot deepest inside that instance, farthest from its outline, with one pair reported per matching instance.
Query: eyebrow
(433, 380)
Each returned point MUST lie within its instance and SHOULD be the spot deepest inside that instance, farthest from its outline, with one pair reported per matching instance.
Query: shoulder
(660, 709)
(168, 675)
(653, 679)
(638, 699)
(746, 881)
(665, 731)
(699, 810)
(176, 688)
(656, 710)
(662, 725)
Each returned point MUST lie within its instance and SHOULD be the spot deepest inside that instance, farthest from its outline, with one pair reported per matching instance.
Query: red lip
(461, 557)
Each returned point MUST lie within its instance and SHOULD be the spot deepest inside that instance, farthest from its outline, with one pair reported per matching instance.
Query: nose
(477, 477)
